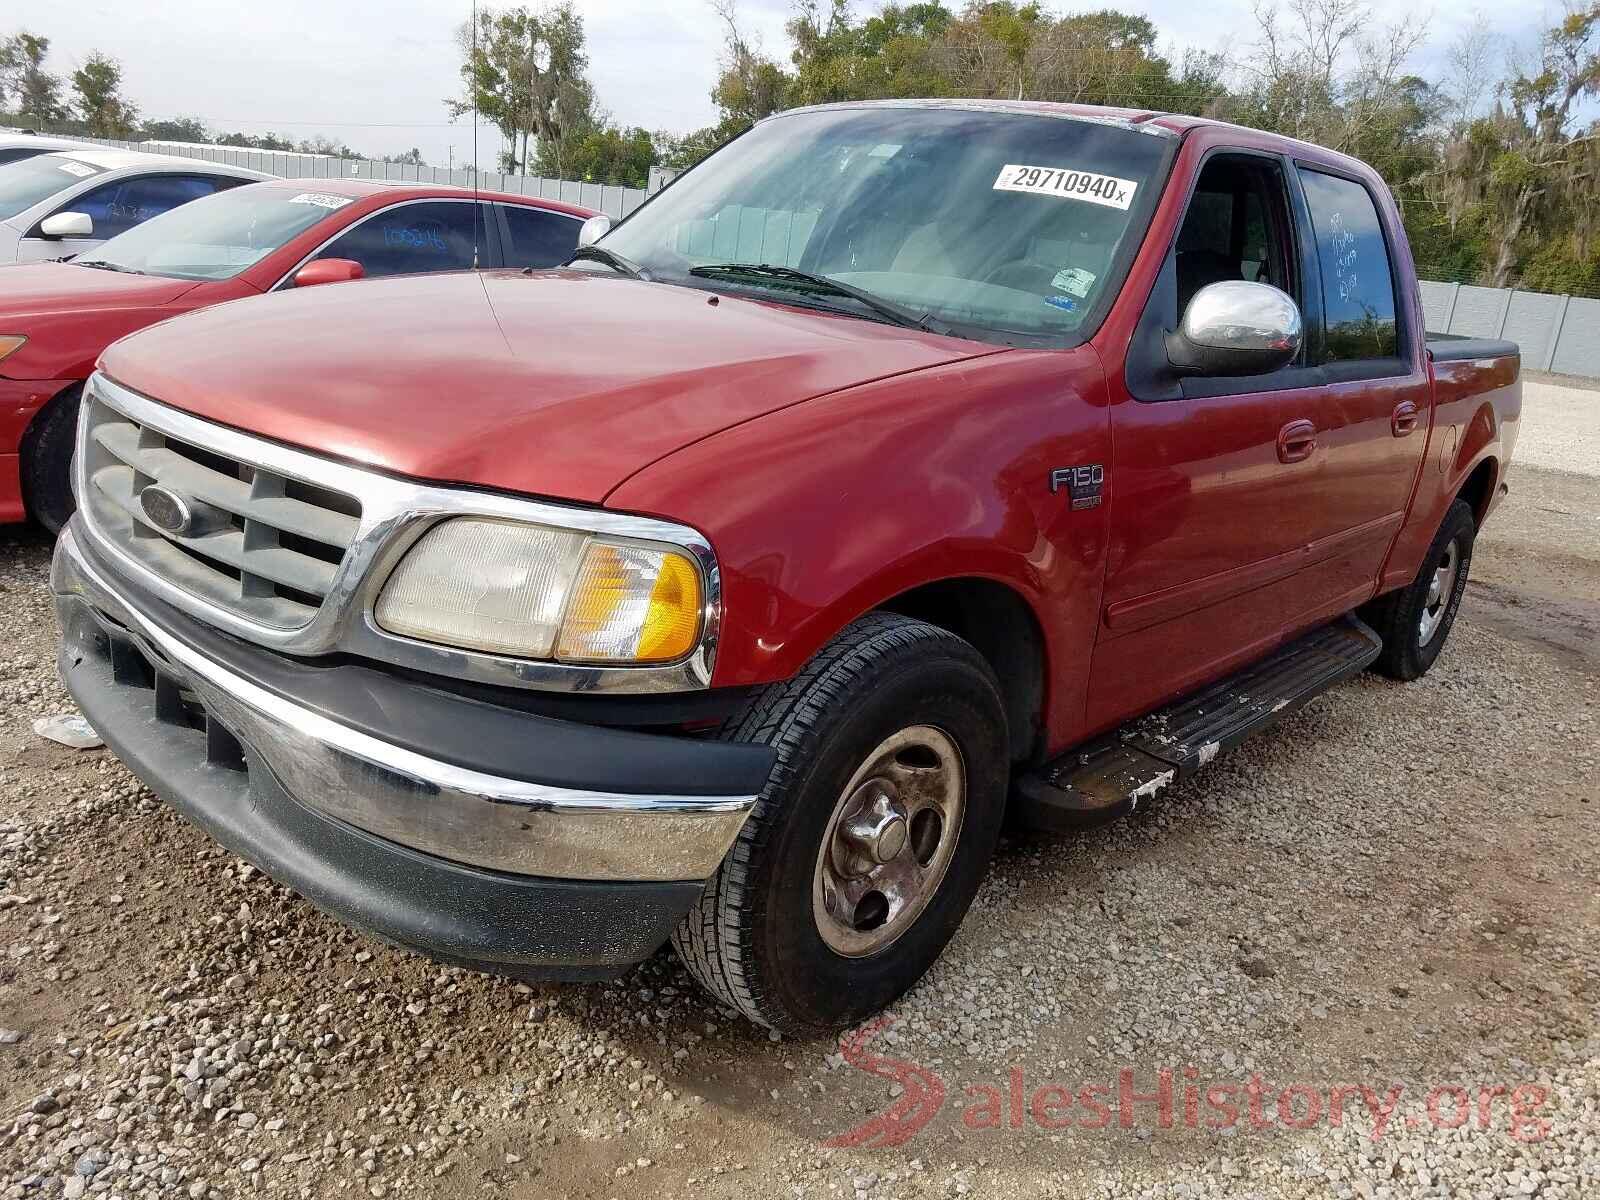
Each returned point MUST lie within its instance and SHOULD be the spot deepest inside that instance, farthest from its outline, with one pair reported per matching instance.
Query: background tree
(527, 72)
(175, 129)
(99, 86)
(36, 92)
(607, 154)
(1528, 163)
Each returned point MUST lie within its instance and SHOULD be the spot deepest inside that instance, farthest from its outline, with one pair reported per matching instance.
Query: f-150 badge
(1084, 484)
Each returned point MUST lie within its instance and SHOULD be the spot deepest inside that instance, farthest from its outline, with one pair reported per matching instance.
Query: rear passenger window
(539, 238)
(1357, 278)
(413, 238)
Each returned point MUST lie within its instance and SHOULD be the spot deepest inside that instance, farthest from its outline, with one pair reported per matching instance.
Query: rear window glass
(539, 238)
(1357, 279)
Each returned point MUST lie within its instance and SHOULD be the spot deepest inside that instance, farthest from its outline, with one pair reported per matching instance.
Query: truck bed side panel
(1477, 408)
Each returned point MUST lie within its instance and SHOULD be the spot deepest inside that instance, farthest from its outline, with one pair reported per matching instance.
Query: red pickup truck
(902, 466)
(56, 317)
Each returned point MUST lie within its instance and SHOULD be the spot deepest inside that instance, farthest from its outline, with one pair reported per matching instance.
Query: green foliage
(610, 155)
(256, 141)
(1455, 251)
(23, 79)
(526, 73)
(99, 86)
(177, 129)
(278, 142)
(1560, 266)
(680, 152)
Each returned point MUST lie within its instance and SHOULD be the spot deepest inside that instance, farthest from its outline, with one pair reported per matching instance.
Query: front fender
(824, 511)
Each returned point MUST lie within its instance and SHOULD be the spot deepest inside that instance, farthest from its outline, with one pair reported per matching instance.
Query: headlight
(10, 343)
(531, 591)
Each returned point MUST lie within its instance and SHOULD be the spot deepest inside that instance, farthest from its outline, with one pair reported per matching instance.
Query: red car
(56, 318)
(902, 466)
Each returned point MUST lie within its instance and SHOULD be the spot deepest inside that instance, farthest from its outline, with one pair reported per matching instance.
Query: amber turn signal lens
(632, 604)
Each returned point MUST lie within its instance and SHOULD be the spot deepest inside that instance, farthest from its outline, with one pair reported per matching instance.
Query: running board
(1088, 787)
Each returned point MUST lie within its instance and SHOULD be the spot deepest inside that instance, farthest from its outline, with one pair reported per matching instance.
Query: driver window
(1235, 228)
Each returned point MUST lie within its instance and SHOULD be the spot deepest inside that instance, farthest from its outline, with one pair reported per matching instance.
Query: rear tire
(871, 837)
(1415, 621)
(47, 461)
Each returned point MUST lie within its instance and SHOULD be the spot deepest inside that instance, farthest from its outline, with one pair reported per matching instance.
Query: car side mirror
(328, 270)
(1236, 328)
(594, 229)
(67, 225)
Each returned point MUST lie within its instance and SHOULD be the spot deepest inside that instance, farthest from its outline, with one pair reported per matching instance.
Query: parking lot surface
(1372, 935)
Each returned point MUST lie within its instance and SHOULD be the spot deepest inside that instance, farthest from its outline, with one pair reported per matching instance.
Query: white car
(15, 145)
(64, 203)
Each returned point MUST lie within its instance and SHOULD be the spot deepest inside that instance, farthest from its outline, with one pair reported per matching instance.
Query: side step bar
(1088, 787)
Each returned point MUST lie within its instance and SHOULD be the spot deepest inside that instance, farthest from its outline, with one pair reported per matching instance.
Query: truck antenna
(472, 82)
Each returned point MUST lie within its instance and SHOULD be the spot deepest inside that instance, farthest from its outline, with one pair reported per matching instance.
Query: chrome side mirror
(67, 225)
(594, 229)
(1236, 328)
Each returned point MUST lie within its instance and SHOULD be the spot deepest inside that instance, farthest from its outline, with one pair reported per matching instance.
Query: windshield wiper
(100, 264)
(887, 309)
(599, 254)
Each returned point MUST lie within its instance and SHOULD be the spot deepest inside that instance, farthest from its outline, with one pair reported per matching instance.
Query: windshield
(23, 184)
(218, 236)
(990, 222)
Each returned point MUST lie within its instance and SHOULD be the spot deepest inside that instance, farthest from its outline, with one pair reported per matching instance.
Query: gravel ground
(1399, 886)
(1564, 432)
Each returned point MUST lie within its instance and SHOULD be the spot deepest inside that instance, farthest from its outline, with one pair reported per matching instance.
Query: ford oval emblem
(166, 510)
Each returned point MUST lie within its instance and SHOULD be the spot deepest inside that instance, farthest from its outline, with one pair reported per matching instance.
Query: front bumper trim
(438, 808)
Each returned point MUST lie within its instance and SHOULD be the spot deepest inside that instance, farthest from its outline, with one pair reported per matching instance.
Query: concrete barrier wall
(1556, 333)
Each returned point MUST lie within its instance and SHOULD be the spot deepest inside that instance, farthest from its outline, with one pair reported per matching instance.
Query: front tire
(47, 461)
(1415, 621)
(871, 838)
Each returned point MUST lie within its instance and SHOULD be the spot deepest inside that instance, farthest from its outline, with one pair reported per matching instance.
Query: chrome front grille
(266, 546)
(290, 550)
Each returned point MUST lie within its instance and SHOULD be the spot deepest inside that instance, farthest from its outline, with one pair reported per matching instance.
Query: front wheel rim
(889, 842)
(1441, 588)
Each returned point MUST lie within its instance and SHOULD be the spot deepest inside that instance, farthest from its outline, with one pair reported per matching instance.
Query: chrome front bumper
(392, 791)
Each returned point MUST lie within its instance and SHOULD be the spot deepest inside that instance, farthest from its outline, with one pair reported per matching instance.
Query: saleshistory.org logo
(1173, 1097)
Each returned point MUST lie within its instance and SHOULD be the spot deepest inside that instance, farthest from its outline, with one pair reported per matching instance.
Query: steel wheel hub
(1440, 588)
(889, 841)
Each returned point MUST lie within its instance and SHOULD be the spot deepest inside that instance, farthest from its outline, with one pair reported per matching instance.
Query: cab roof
(1145, 120)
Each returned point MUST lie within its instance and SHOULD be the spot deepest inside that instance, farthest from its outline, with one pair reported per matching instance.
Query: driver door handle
(1297, 441)
(1404, 419)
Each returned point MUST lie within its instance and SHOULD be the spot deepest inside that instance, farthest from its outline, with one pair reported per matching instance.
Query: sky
(375, 73)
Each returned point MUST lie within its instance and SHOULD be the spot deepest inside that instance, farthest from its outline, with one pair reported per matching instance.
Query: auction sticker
(320, 199)
(81, 170)
(1067, 183)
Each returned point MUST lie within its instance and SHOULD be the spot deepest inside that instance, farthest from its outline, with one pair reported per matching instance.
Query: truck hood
(39, 289)
(559, 383)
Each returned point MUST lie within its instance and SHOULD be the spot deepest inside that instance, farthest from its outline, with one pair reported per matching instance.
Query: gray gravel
(1561, 431)
(1397, 886)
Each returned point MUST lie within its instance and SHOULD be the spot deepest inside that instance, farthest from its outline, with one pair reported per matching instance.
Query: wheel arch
(1477, 489)
(1001, 625)
(30, 433)
(28, 442)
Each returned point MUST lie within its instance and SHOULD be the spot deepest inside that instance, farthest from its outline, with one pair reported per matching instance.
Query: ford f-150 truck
(901, 467)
